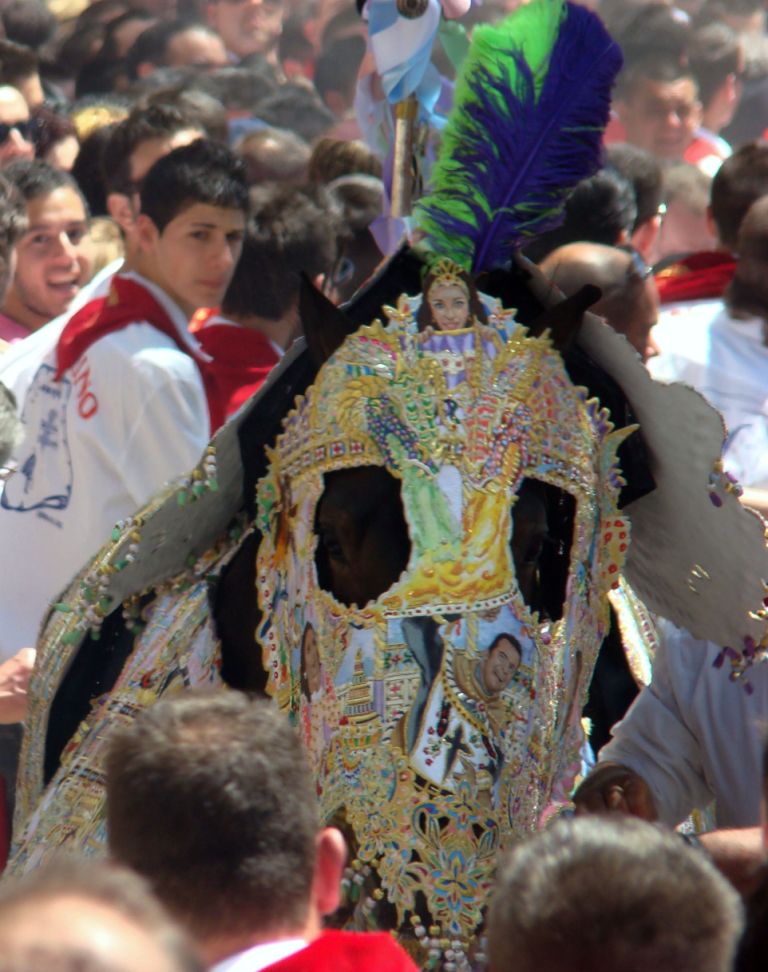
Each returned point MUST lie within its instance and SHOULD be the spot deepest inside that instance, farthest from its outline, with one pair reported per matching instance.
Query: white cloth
(260, 956)
(725, 359)
(693, 735)
(129, 415)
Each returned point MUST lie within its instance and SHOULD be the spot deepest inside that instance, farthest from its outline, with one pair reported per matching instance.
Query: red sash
(241, 358)
(700, 276)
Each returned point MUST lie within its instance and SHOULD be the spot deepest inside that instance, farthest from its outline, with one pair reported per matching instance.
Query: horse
(93, 676)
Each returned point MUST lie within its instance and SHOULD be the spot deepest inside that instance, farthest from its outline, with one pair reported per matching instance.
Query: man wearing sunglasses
(15, 140)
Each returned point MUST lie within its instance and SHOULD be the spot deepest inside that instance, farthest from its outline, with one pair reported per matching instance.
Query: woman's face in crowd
(449, 304)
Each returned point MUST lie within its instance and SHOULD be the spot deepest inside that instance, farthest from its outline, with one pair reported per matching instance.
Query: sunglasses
(24, 128)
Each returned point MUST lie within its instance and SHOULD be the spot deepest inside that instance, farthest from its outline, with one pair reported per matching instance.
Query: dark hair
(598, 210)
(739, 182)
(304, 681)
(88, 170)
(335, 157)
(13, 223)
(200, 108)
(298, 108)
(111, 886)
(337, 67)
(151, 45)
(716, 53)
(28, 22)
(143, 123)
(505, 636)
(239, 88)
(17, 62)
(643, 170)
(48, 128)
(654, 39)
(202, 172)
(274, 155)
(233, 848)
(611, 895)
(476, 309)
(652, 67)
(34, 178)
(747, 294)
(290, 232)
(109, 47)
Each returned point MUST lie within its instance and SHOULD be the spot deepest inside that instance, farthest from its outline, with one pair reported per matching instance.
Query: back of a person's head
(335, 157)
(201, 172)
(143, 124)
(688, 186)
(290, 232)
(747, 294)
(201, 109)
(274, 155)
(360, 198)
(601, 209)
(239, 88)
(209, 797)
(739, 182)
(644, 172)
(337, 66)
(716, 52)
(17, 62)
(297, 107)
(611, 895)
(35, 178)
(28, 22)
(74, 915)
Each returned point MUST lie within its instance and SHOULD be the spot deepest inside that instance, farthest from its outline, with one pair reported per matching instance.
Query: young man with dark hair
(147, 134)
(126, 399)
(239, 813)
(704, 275)
(52, 261)
(611, 895)
(290, 233)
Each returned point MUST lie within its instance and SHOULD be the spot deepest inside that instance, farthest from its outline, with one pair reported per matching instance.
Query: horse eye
(332, 546)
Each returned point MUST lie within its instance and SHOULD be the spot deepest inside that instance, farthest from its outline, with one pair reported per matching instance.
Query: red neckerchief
(241, 360)
(234, 363)
(700, 276)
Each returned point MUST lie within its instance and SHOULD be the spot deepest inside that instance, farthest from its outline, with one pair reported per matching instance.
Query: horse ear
(325, 326)
(563, 320)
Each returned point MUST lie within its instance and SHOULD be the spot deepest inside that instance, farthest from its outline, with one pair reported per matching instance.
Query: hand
(613, 788)
(14, 681)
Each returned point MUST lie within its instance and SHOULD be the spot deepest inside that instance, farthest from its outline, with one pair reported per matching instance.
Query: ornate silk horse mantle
(439, 717)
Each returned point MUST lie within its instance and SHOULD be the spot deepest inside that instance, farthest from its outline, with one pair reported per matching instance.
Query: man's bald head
(630, 302)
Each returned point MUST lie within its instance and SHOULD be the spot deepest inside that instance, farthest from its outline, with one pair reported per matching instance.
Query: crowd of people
(170, 172)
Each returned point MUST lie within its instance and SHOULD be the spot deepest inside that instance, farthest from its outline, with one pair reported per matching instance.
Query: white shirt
(725, 359)
(130, 414)
(260, 956)
(693, 735)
